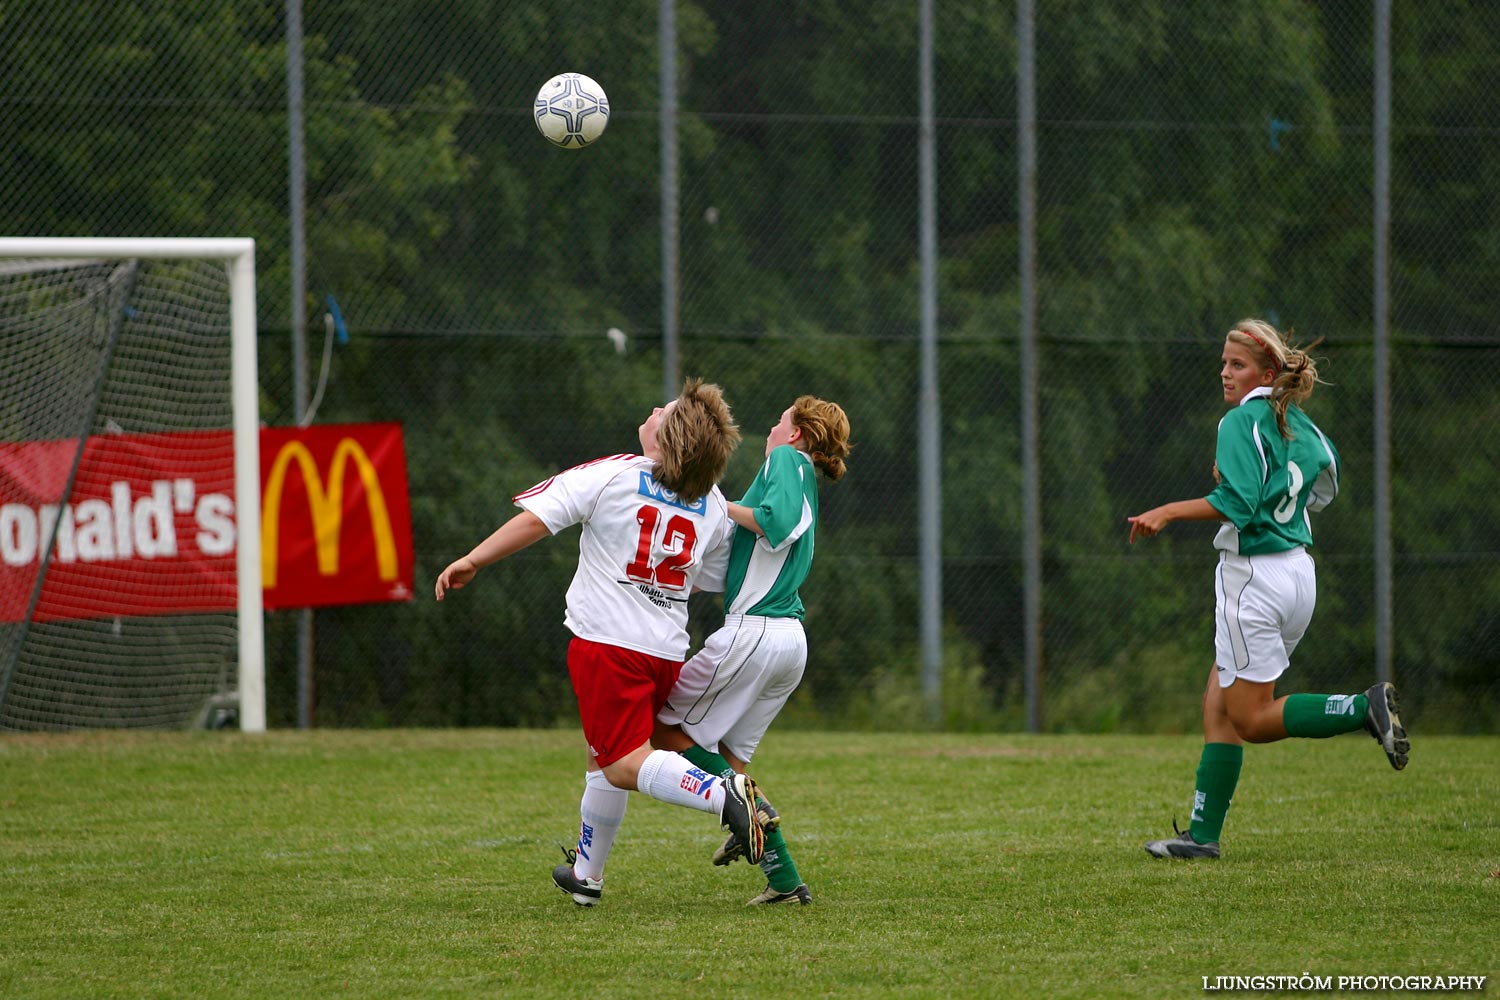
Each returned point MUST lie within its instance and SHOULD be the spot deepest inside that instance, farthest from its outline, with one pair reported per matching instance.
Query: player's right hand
(460, 573)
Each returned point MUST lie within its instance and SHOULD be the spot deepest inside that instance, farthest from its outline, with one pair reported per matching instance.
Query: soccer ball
(571, 110)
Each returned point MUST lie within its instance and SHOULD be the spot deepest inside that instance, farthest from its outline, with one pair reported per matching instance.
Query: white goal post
(29, 532)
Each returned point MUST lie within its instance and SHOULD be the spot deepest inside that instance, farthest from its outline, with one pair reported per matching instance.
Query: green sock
(1218, 773)
(780, 869)
(707, 760)
(1318, 716)
(777, 863)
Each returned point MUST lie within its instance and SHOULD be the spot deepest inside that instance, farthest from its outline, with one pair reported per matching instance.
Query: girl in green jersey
(1274, 467)
(731, 690)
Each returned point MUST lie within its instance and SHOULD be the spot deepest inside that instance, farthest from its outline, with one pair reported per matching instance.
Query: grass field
(417, 863)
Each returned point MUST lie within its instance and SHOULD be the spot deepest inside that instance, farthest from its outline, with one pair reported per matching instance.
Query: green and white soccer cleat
(1383, 721)
(1182, 845)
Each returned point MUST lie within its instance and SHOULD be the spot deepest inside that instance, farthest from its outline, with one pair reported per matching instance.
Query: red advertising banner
(335, 522)
(148, 529)
(150, 526)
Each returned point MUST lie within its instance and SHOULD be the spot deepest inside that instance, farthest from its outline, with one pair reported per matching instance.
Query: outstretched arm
(508, 539)
(1147, 524)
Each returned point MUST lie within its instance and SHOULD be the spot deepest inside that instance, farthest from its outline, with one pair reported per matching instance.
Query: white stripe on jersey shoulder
(1260, 448)
(806, 458)
(1259, 392)
(1333, 460)
(804, 522)
(1326, 486)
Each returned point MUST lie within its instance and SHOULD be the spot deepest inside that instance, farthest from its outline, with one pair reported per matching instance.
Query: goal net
(129, 485)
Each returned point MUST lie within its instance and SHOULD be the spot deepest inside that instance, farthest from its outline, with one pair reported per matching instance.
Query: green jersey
(1268, 485)
(766, 570)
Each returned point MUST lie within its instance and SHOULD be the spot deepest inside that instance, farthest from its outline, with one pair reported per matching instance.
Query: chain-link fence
(1197, 163)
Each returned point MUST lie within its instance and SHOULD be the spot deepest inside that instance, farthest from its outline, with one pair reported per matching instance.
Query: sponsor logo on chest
(653, 490)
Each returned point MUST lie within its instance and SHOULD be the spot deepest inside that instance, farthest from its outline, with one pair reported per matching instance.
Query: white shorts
(732, 689)
(1262, 609)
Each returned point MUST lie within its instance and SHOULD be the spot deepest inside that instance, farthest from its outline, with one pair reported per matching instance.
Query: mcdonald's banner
(147, 530)
(149, 527)
(335, 521)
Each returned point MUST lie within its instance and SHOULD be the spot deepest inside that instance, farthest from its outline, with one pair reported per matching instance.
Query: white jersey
(641, 553)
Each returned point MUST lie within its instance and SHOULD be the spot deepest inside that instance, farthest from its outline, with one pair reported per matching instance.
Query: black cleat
(585, 891)
(739, 816)
(1181, 846)
(734, 848)
(1383, 721)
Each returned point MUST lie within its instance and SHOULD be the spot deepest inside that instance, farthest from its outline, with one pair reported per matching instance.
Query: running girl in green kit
(1274, 468)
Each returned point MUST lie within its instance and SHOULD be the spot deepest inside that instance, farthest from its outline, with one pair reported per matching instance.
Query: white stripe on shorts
(732, 689)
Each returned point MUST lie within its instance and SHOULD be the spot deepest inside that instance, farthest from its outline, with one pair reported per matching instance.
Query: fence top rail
(217, 247)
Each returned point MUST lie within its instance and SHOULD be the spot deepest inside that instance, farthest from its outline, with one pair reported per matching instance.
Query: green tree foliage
(1196, 166)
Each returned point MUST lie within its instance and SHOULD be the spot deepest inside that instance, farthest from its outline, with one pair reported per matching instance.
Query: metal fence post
(1031, 533)
(1382, 387)
(929, 445)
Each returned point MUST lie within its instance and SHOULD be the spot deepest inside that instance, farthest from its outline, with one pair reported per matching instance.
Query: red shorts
(619, 692)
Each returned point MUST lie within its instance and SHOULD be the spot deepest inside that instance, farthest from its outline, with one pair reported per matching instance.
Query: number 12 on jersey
(678, 537)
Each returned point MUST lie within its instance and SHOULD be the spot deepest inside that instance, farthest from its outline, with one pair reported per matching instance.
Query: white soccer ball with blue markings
(571, 110)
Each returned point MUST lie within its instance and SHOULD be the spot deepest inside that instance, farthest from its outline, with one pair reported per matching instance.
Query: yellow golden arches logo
(327, 508)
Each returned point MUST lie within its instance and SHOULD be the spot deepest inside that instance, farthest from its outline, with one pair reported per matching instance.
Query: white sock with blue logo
(602, 811)
(671, 777)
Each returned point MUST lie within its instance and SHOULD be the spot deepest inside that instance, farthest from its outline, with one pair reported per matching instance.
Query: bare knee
(625, 772)
(1257, 728)
(1254, 712)
(1217, 727)
(620, 775)
(1250, 735)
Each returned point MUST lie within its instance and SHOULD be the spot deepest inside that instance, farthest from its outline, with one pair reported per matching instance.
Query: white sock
(602, 811)
(671, 777)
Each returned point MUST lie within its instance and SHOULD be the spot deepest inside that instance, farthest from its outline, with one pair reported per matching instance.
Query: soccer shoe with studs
(738, 816)
(1383, 721)
(733, 848)
(799, 896)
(585, 891)
(1182, 845)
